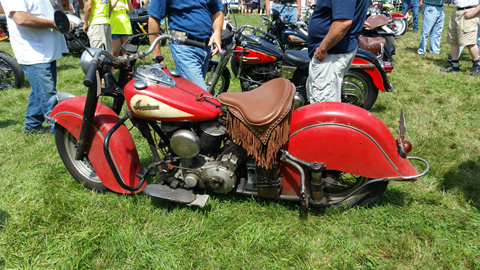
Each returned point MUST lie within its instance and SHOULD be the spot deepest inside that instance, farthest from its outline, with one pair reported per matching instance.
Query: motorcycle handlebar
(91, 74)
(90, 77)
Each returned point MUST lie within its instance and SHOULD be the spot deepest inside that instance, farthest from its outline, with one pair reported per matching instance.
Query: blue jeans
(43, 97)
(289, 14)
(432, 26)
(411, 4)
(192, 62)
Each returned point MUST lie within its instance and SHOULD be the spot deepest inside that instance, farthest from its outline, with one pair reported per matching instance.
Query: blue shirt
(191, 16)
(326, 11)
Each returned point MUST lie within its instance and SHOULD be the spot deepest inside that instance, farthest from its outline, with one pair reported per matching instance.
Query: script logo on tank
(140, 107)
(145, 106)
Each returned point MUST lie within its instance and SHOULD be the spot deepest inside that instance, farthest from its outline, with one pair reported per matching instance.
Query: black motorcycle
(11, 73)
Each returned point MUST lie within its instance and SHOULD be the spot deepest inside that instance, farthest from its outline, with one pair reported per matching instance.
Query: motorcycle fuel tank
(261, 52)
(164, 95)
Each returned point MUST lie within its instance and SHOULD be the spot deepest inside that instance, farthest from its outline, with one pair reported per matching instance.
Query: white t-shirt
(466, 3)
(33, 46)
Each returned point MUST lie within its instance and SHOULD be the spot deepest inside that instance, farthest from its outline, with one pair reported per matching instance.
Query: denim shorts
(118, 36)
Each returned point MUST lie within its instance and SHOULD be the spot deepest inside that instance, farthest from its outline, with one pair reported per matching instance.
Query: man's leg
(325, 78)
(437, 29)
(427, 25)
(43, 97)
(192, 62)
(415, 17)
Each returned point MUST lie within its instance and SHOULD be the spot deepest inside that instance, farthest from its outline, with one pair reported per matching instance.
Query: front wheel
(340, 184)
(223, 82)
(81, 170)
(11, 73)
(358, 89)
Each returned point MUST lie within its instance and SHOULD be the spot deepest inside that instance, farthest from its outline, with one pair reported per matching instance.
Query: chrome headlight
(86, 58)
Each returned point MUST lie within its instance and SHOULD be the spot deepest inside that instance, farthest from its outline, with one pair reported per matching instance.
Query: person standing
(204, 24)
(37, 45)
(463, 31)
(262, 6)
(432, 26)
(120, 22)
(332, 43)
(74, 7)
(255, 6)
(97, 24)
(56, 4)
(414, 5)
(288, 12)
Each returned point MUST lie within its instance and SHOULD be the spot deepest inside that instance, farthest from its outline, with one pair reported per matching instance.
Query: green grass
(49, 221)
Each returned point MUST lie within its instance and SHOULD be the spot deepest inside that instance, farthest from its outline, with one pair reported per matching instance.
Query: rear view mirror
(61, 22)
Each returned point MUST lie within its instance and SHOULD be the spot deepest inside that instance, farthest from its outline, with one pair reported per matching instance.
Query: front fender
(69, 114)
(346, 138)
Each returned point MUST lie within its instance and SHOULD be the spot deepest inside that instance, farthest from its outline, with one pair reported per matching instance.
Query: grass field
(49, 221)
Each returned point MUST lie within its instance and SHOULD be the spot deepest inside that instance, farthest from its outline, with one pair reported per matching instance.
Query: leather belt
(463, 8)
(434, 5)
(282, 3)
(188, 36)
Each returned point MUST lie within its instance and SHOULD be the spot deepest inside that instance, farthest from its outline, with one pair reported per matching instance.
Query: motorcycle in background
(398, 22)
(139, 23)
(77, 36)
(256, 60)
(11, 73)
(199, 142)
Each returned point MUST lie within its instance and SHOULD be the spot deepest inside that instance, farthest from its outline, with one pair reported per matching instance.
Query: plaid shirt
(434, 2)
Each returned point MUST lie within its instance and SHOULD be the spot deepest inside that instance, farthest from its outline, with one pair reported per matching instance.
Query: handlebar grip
(90, 78)
(271, 36)
(195, 43)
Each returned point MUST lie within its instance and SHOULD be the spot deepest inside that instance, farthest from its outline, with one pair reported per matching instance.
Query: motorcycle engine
(205, 163)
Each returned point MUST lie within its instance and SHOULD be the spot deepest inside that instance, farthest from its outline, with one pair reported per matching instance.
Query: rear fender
(397, 15)
(69, 114)
(346, 138)
(368, 64)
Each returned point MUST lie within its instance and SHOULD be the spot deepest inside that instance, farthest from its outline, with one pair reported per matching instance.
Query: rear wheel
(11, 73)
(81, 170)
(340, 184)
(358, 89)
(400, 26)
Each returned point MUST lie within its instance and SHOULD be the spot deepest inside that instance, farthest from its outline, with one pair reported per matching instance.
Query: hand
(310, 5)
(320, 54)
(218, 44)
(85, 27)
(470, 13)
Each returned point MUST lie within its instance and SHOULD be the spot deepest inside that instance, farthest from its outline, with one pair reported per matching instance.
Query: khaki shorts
(462, 31)
(324, 82)
(100, 36)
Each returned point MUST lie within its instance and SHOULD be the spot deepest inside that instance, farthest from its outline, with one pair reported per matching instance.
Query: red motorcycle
(251, 143)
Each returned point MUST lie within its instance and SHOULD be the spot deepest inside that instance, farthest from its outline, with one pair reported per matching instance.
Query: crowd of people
(333, 37)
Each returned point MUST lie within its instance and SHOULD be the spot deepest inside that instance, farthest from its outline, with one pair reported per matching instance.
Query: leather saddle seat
(262, 108)
(375, 21)
(297, 58)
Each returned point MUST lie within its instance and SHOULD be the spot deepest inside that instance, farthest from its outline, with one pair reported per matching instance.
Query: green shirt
(119, 19)
(100, 11)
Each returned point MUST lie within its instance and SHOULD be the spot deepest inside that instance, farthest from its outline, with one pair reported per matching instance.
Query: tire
(81, 170)
(365, 196)
(11, 73)
(400, 26)
(358, 89)
(223, 82)
(390, 41)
